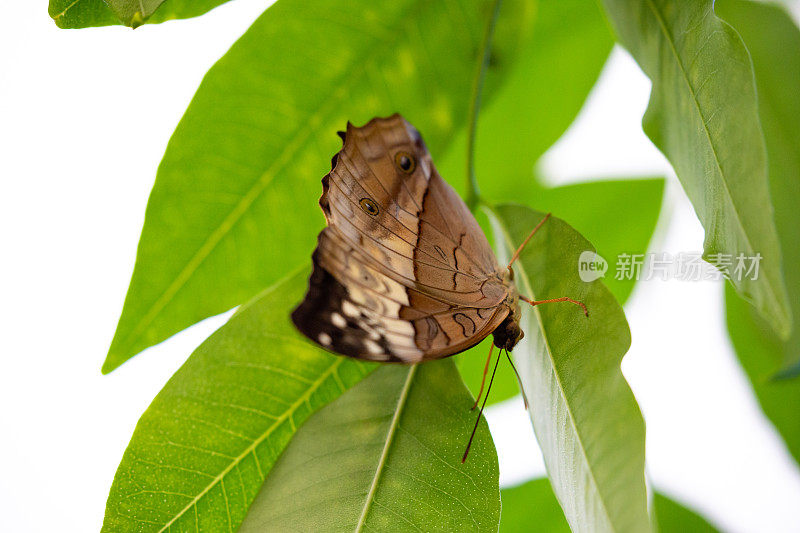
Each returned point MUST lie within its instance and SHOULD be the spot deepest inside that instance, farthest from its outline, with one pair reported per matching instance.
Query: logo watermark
(684, 266)
(591, 266)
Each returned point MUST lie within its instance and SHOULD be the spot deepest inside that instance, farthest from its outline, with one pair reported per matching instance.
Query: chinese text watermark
(684, 266)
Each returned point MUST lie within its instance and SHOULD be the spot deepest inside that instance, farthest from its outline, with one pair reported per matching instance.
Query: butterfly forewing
(403, 272)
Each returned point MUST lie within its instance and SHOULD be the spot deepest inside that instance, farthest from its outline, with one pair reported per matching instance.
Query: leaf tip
(112, 361)
(107, 367)
(136, 20)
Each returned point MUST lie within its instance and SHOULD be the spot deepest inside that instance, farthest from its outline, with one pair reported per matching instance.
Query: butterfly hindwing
(354, 308)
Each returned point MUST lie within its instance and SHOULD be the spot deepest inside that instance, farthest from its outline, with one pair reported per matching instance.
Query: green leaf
(760, 352)
(202, 449)
(532, 506)
(81, 13)
(703, 115)
(774, 43)
(231, 210)
(386, 456)
(617, 216)
(673, 517)
(88, 13)
(584, 415)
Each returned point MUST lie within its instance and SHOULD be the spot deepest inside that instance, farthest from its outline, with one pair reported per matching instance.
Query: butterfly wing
(403, 271)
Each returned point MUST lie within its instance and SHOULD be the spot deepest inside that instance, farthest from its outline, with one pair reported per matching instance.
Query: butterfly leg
(553, 300)
(525, 242)
(483, 379)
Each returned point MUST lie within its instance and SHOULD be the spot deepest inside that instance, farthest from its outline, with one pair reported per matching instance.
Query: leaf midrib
(524, 277)
(401, 402)
(329, 105)
(668, 36)
(302, 399)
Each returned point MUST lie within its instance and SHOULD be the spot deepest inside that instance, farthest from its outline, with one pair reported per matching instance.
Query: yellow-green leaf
(202, 449)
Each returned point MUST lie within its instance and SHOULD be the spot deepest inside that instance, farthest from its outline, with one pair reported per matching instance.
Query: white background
(84, 119)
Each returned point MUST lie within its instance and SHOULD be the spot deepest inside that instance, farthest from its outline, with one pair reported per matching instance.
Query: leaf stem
(473, 192)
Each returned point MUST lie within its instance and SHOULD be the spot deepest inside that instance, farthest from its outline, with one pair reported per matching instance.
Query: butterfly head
(508, 333)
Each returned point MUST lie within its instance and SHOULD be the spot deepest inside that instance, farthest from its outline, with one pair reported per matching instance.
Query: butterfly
(403, 272)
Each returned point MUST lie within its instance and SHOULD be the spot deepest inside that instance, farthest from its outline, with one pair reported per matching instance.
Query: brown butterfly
(403, 272)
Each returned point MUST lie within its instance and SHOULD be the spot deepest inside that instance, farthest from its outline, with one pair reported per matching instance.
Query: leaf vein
(256, 442)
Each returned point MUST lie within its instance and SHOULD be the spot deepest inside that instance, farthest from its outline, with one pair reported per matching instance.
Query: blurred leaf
(703, 115)
(760, 353)
(201, 451)
(673, 517)
(585, 417)
(774, 43)
(386, 456)
(232, 209)
(558, 64)
(87, 13)
(616, 216)
(533, 507)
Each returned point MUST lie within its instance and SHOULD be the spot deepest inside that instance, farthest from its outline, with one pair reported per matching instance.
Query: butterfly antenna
(553, 300)
(475, 428)
(483, 379)
(521, 389)
(525, 242)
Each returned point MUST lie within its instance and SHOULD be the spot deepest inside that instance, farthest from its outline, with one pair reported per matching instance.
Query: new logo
(591, 266)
